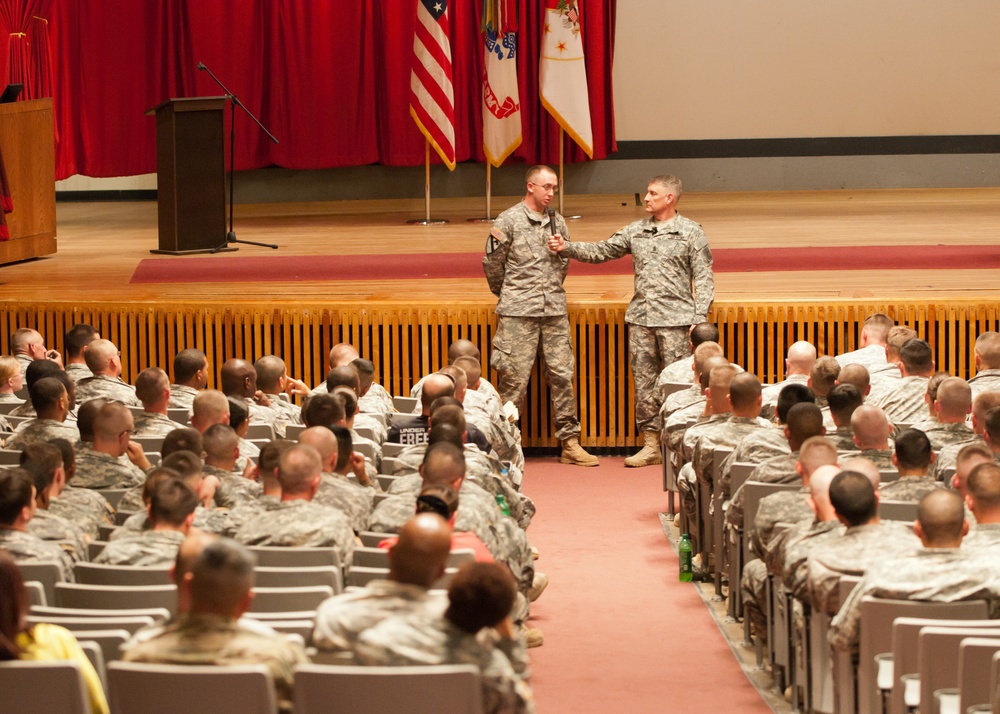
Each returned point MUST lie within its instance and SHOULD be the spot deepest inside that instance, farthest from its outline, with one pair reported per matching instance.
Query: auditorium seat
(975, 657)
(135, 688)
(47, 574)
(278, 557)
(10, 457)
(273, 577)
(102, 574)
(288, 599)
(114, 597)
(30, 686)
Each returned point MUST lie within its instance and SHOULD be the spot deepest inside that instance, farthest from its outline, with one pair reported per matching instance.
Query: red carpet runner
(621, 633)
(417, 266)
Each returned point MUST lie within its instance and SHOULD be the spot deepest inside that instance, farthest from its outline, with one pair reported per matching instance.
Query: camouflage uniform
(153, 424)
(982, 535)
(342, 618)
(365, 421)
(350, 498)
(101, 386)
(904, 403)
(769, 394)
(24, 547)
(842, 438)
(211, 639)
(425, 639)
(77, 371)
(871, 358)
(42, 430)
(24, 409)
(68, 535)
(884, 377)
(210, 520)
(861, 548)
(676, 425)
(181, 397)
(376, 448)
(987, 380)
(145, 549)
(782, 507)
(941, 435)
(682, 400)
(757, 446)
(95, 469)
(88, 509)
(248, 450)
(948, 456)
(928, 575)
(777, 469)
(680, 371)
(674, 289)
(908, 488)
(377, 400)
(24, 361)
(233, 489)
(249, 510)
(301, 524)
(527, 278)
(794, 550)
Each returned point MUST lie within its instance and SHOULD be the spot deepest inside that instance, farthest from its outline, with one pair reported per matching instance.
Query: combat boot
(649, 454)
(573, 453)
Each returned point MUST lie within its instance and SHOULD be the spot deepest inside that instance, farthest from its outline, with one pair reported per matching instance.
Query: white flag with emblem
(501, 105)
(562, 74)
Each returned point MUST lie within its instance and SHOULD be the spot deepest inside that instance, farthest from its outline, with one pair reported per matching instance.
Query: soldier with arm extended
(674, 289)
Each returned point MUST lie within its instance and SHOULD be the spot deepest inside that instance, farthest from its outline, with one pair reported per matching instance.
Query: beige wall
(737, 69)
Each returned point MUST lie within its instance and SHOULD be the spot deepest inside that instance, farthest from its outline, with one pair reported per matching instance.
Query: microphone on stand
(201, 67)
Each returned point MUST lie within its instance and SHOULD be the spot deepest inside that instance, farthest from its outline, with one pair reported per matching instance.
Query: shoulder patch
(497, 238)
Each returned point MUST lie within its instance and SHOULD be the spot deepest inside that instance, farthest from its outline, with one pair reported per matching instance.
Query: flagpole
(427, 220)
(489, 190)
(562, 183)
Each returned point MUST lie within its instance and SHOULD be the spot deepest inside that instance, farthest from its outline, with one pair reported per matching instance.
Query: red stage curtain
(330, 80)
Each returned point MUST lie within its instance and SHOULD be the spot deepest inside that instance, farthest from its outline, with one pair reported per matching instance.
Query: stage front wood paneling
(406, 342)
(28, 144)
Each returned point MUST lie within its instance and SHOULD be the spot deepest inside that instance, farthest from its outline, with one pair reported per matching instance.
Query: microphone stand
(233, 103)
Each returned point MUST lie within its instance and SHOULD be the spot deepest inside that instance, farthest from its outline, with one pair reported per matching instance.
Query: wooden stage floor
(100, 245)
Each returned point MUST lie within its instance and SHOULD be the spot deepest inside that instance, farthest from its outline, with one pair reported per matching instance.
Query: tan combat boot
(649, 454)
(573, 453)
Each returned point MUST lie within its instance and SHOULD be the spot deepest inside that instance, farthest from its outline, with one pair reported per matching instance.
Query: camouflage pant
(515, 346)
(650, 349)
(754, 587)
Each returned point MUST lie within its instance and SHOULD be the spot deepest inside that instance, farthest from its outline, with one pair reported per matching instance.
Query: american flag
(432, 100)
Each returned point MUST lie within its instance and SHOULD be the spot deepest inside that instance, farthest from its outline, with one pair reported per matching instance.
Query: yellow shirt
(49, 643)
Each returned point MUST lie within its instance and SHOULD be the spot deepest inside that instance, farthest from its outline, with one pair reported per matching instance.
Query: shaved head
(342, 354)
(941, 520)
(462, 348)
(325, 442)
(857, 375)
(420, 555)
(867, 468)
(953, 400)
(239, 378)
(800, 358)
(102, 358)
(988, 351)
(871, 428)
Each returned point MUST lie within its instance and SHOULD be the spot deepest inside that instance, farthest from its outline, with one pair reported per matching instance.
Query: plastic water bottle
(502, 503)
(684, 552)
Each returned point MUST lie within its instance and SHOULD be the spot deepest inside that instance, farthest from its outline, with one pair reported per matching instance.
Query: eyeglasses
(546, 187)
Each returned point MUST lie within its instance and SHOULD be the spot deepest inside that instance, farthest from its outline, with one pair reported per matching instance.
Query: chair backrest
(47, 574)
(888, 475)
(113, 495)
(332, 689)
(260, 431)
(671, 387)
(877, 616)
(905, 640)
(365, 431)
(105, 531)
(95, 655)
(122, 516)
(289, 599)
(390, 449)
(159, 614)
(170, 688)
(370, 558)
(897, 511)
(365, 449)
(149, 443)
(462, 556)
(101, 574)
(388, 466)
(300, 628)
(753, 493)
(371, 539)
(292, 431)
(30, 686)
(110, 641)
(938, 655)
(385, 480)
(975, 657)
(359, 575)
(277, 557)
(116, 597)
(738, 474)
(95, 548)
(300, 577)
(36, 593)
(8, 407)
(179, 415)
(10, 457)
(405, 405)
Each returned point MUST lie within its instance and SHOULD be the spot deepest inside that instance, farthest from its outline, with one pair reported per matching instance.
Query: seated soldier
(171, 513)
(904, 403)
(912, 457)
(17, 508)
(348, 377)
(871, 435)
(51, 402)
(267, 476)
(372, 396)
(190, 376)
(798, 365)
(941, 571)
(239, 382)
(887, 377)
(416, 561)
(28, 345)
(102, 465)
(987, 355)
(105, 360)
(680, 371)
(44, 463)
(152, 387)
(480, 596)
(951, 406)
(842, 401)
(341, 354)
(273, 382)
(983, 499)
(77, 339)
(981, 406)
(297, 521)
(349, 497)
(413, 430)
(88, 509)
(822, 378)
(871, 347)
(222, 454)
(218, 591)
(39, 369)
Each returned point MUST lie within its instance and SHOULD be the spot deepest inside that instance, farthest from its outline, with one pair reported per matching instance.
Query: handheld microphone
(201, 66)
(552, 220)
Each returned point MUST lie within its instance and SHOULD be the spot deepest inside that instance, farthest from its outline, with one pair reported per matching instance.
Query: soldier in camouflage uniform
(76, 341)
(28, 345)
(272, 379)
(210, 632)
(866, 542)
(152, 387)
(904, 402)
(842, 401)
(11, 381)
(527, 277)
(480, 596)
(983, 498)
(171, 513)
(416, 561)
(221, 457)
(799, 361)
(871, 351)
(105, 361)
(674, 289)
(871, 436)
(51, 402)
(297, 522)
(680, 371)
(17, 508)
(353, 499)
(44, 463)
(951, 406)
(373, 398)
(103, 466)
(239, 382)
(987, 353)
(190, 377)
(912, 458)
(941, 571)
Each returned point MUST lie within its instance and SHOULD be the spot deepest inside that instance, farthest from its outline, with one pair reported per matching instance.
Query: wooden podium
(27, 137)
(191, 174)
